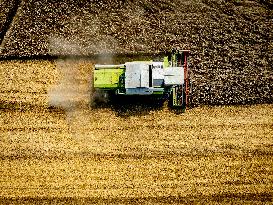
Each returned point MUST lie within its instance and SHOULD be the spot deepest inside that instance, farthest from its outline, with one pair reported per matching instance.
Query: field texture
(230, 40)
(55, 148)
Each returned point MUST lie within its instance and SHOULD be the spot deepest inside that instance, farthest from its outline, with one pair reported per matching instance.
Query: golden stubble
(52, 149)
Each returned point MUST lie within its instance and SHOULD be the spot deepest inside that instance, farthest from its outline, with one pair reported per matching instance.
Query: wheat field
(56, 148)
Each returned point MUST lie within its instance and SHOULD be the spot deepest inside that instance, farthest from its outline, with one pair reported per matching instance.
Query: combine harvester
(167, 80)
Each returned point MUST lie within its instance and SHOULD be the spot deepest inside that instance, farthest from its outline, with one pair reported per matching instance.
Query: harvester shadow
(126, 106)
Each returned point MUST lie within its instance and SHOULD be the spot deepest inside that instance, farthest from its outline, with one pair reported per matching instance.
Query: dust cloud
(74, 89)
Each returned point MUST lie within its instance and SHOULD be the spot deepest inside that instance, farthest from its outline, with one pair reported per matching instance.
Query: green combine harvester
(166, 80)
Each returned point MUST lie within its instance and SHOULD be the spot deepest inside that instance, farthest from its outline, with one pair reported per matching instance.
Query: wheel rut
(9, 19)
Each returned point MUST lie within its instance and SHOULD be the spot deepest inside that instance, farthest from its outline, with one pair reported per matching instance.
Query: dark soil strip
(191, 199)
(22, 106)
(9, 20)
(135, 155)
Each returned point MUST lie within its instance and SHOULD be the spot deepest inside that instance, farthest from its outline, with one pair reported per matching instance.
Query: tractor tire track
(9, 19)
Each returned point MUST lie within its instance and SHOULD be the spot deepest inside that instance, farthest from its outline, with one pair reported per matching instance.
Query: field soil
(57, 148)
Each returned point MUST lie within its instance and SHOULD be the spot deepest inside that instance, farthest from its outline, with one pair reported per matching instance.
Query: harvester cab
(167, 79)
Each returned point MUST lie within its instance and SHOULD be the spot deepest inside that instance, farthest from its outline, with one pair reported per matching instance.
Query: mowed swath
(79, 151)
